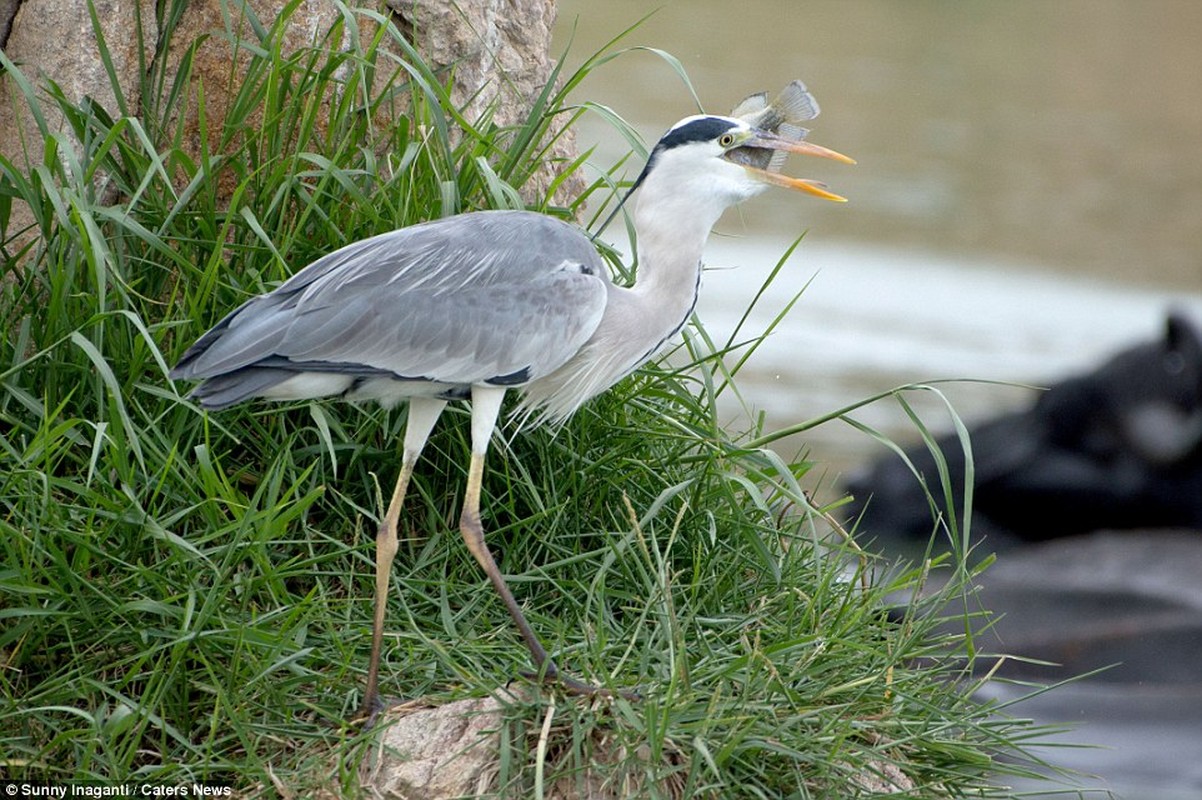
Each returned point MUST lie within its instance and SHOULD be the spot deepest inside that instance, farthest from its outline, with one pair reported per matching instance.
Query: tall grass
(185, 596)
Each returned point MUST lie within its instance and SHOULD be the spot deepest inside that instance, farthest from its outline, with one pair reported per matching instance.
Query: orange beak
(768, 141)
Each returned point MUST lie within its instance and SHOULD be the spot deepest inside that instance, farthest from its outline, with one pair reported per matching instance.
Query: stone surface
(217, 65)
(450, 751)
(437, 753)
(8, 10)
(499, 52)
(883, 778)
(426, 753)
(35, 39)
(35, 43)
(496, 51)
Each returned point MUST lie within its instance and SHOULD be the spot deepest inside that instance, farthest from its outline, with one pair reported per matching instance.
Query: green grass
(185, 596)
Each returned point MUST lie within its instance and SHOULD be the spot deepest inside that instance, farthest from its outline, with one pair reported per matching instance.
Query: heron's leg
(486, 404)
(423, 413)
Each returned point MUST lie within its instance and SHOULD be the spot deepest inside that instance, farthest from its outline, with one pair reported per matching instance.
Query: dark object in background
(1120, 447)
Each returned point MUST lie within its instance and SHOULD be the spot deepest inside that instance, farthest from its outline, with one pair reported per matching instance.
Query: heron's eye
(726, 140)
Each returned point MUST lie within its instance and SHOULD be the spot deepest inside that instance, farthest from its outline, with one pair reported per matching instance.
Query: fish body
(794, 105)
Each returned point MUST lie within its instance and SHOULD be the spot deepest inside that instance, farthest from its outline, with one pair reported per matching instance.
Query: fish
(782, 116)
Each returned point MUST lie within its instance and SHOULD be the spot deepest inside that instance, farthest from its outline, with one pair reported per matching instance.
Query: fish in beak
(761, 147)
(778, 132)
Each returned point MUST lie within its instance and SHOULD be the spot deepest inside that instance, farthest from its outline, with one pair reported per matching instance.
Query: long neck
(672, 230)
(639, 319)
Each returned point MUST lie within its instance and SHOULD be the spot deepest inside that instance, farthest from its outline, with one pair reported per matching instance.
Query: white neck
(677, 207)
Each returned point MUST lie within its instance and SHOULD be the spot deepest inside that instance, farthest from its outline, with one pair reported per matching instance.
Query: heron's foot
(579, 688)
(370, 711)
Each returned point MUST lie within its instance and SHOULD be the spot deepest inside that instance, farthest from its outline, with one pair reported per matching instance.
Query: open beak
(754, 154)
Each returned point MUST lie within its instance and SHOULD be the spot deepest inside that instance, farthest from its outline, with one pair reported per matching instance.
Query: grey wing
(503, 296)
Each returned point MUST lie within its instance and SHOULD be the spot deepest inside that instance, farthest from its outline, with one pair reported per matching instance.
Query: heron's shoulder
(476, 232)
(489, 221)
(520, 225)
(466, 247)
(535, 240)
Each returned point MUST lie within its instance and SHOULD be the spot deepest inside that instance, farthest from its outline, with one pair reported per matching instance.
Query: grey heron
(472, 306)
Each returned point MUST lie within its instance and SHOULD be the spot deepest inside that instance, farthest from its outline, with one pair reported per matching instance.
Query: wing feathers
(464, 300)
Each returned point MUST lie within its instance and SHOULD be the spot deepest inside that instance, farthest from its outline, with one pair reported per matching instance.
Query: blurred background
(1028, 197)
(1028, 200)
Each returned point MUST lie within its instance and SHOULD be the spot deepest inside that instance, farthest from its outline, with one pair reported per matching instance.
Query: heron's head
(712, 159)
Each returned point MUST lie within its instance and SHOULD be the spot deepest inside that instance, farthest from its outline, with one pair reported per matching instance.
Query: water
(873, 318)
(1028, 199)
(1028, 196)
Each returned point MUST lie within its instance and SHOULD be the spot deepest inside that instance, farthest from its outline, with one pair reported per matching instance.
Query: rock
(218, 66)
(8, 10)
(451, 751)
(440, 752)
(39, 31)
(429, 753)
(54, 40)
(499, 52)
(883, 777)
